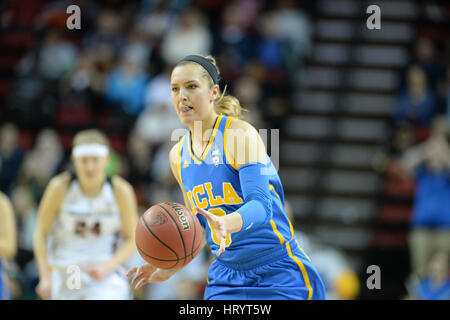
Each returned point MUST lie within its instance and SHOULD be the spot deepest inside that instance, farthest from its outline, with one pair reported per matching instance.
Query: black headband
(206, 64)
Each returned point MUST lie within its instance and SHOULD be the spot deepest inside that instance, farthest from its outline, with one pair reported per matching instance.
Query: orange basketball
(168, 235)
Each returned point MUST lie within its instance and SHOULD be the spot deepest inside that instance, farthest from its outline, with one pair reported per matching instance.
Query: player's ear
(215, 92)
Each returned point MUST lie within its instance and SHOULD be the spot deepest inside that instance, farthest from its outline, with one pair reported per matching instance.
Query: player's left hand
(220, 225)
(99, 271)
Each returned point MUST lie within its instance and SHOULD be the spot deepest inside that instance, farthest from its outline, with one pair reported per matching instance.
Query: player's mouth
(184, 109)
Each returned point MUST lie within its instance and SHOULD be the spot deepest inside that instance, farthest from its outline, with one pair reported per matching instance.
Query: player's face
(191, 95)
(91, 169)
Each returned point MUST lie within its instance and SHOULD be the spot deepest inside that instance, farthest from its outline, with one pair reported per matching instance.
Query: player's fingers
(138, 273)
(140, 284)
(131, 272)
(221, 248)
(137, 279)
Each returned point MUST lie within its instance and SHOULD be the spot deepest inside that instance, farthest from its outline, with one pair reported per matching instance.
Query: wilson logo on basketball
(181, 216)
(158, 220)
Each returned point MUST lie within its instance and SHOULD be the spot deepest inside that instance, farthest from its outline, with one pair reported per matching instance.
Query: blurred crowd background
(364, 132)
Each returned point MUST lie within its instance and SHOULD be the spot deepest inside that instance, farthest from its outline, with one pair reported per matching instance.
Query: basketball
(168, 235)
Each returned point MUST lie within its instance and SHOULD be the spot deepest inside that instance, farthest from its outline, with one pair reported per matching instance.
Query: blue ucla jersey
(212, 183)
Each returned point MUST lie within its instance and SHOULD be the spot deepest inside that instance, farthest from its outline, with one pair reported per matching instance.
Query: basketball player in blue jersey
(228, 179)
(8, 243)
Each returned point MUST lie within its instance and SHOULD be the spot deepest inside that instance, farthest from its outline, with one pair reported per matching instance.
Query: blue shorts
(284, 273)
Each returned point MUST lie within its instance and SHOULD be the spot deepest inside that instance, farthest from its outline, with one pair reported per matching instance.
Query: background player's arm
(48, 208)
(126, 200)
(8, 232)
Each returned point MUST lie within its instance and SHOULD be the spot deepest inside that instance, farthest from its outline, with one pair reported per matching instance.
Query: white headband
(92, 150)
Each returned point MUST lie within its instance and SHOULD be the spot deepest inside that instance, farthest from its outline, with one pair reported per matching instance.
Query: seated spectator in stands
(57, 56)
(125, 86)
(11, 157)
(429, 162)
(272, 47)
(436, 285)
(108, 31)
(416, 103)
(425, 57)
(248, 91)
(295, 28)
(190, 35)
(235, 38)
(42, 162)
(159, 118)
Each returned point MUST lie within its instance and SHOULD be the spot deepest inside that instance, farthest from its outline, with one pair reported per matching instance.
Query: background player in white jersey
(80, 220)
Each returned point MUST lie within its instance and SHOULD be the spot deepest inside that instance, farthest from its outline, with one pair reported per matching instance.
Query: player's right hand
(44, 289)
(147, 273)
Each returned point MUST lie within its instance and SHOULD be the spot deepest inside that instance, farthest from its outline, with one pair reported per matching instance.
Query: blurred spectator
(237, 39)
(57, 56)
(248, 91)
(429, 162)
(108, 31)
(190, 35)
(416, 104)
(296, 29)
(48, 156)
(272, 47)
(436, 284)
(425, 57)
(154, 23)
(125, 86)
(11, 157)
(138, 166)
(159, 119)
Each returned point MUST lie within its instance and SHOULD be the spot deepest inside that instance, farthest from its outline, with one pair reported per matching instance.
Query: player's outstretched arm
(147, 273)
(246, 152)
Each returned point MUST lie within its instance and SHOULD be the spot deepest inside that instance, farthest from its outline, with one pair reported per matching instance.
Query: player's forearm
(40, 254)
(123, 253)
(233, 222)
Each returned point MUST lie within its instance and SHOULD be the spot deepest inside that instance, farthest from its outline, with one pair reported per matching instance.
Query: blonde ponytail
(228, 105)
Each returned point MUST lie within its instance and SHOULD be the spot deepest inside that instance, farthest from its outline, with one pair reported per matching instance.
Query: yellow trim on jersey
(274, 227)
(272, 223)
(302, 270)
(271, 187)
(211, 139)
(227, 155)
(179, 160)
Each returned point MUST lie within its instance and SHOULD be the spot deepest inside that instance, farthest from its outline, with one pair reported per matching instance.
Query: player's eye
(192, 86)
(174, 89)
